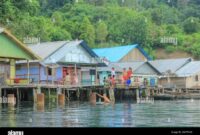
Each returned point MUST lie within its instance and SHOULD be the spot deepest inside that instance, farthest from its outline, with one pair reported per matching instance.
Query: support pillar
(49, 93)
(18, 99)
(28, 72)
(11, 99)
(40, 99)
(61, 99)
(137, 95)
(5, 93)
(68, 96)
(0, 92)
(112, 95)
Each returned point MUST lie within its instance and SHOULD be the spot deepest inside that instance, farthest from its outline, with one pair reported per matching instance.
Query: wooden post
(78, 93)
(39, 74)
(96, 75)
(68, 96)
(11, 99)
(18, 99)
(49, 93)
(5, 94)
(137, 96)
(61, 99)
(40, 99)
(0, 92)
(152, 92)
(111, 94)
(12, 71)
(28, 72)
(34, 95)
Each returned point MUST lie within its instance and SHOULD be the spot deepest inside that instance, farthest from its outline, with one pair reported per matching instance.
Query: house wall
(22, 71)
(72, 54)
(134, 55)
(38, 73)
(145, 69)
(88, 77)
(191, 81)
(178, 82)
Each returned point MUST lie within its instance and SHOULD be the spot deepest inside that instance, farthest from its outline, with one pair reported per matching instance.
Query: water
(180, 113)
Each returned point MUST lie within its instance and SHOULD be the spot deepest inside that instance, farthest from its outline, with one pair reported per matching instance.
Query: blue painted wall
(34, 69)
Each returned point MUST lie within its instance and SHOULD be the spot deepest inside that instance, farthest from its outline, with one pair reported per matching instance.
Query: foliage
(104, 23)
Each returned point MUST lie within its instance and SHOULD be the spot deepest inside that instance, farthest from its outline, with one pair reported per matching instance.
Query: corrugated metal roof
(73, 52)
(134, 64)
(189, 69)
(138, 67)
(114, 54)
(109, 68)
(163, 65)
(47, 48)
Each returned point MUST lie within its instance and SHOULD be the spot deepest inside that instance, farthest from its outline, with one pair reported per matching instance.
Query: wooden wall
(134, 55)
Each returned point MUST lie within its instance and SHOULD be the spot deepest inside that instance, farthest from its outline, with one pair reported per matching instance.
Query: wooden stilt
(11, 99)
(61, 99)
(18, 96)
(112, 95)
(68, 96)
(40, 99)
(0, 92)
(78, 94)
(137, 96)
(49, 93)
(34, 95)
(5, 93)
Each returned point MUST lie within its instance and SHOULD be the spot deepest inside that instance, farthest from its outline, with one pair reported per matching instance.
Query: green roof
(10, 47)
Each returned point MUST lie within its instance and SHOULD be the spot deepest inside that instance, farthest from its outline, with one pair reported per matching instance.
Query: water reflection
(83, 114)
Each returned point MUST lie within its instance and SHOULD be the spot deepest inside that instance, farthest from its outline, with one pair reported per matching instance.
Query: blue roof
(114, 54)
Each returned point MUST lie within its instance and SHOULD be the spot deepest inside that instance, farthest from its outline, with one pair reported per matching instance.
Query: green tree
(101, 32)
(57, 18)
(191, 25)
(87, 31)
(30, 6)
(7, 11)
(58, 34)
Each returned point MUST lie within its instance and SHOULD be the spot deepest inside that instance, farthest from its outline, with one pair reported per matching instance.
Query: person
(93, 98)
(124, 75)
(129, 72)
(75, 79)
(113, 72)
(128, 82)
(67, 79)
(110, 80)
(113, 80)
(106, 99)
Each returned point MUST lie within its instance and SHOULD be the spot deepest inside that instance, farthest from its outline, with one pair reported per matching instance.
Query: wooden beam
(39, 73)
(28, 71)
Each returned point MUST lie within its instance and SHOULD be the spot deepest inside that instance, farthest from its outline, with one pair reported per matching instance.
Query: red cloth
(129, 73)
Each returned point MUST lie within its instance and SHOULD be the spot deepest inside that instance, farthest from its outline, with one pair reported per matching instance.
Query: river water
(176, 113)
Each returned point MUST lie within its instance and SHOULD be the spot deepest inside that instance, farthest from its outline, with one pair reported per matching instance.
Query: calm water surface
(180, 113)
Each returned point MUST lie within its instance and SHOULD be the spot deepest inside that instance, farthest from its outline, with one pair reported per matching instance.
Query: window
(49, 71)
(196, 78)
